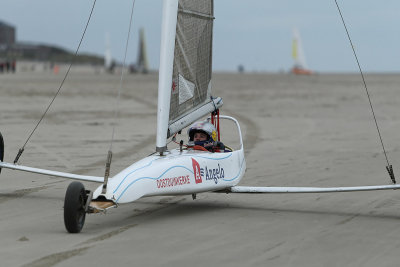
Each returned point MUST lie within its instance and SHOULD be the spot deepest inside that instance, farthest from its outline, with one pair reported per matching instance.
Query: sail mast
(168, 32)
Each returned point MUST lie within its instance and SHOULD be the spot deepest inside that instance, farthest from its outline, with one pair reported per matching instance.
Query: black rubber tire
(1, 149)
(74, 207)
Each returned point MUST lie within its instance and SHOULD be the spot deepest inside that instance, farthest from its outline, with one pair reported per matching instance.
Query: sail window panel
(186, 89)
(193, 57)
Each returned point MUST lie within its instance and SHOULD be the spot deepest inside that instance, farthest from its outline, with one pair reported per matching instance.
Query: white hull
(186, 172)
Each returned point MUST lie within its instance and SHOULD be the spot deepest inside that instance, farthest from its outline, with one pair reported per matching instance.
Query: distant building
(12, 51)
(7, 34)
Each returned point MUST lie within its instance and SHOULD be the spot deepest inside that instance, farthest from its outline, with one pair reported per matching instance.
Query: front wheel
(74, 207)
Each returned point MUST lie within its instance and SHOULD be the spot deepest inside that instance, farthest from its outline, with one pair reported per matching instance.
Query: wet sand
(299, 131)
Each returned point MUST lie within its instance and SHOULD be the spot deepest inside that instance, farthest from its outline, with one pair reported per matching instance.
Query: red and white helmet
(203, 127)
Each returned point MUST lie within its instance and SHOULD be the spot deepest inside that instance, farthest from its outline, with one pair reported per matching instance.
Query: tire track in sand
(55, 258)
(253, 131)
(20, 193)
(122, 154)
(81, 170)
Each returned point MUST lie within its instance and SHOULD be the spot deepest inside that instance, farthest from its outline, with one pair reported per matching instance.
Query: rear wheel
(74, 207)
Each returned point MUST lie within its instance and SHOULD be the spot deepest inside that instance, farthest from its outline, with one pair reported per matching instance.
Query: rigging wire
(389, 167)
(116, 104)
(21, 150)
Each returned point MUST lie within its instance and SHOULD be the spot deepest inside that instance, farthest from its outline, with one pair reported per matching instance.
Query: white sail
(142, 64)
(107, 54)
(185, 66)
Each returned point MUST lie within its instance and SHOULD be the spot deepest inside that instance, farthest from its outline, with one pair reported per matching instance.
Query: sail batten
(202, 15)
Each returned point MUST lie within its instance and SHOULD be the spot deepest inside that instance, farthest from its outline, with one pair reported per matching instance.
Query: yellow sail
(294, 49)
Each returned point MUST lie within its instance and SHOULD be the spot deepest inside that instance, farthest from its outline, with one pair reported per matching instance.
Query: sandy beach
(313, 130)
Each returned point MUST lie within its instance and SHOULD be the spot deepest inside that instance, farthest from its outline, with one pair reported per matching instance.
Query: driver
(204, 134)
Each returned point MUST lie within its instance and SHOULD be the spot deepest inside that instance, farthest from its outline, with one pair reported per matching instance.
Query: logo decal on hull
(174, 181)
(213, 174)
(196, 171)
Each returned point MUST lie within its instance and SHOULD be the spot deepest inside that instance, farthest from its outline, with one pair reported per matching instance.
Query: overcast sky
(254, 33)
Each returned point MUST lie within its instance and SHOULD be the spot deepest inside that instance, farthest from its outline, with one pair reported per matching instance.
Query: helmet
(204, 127)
